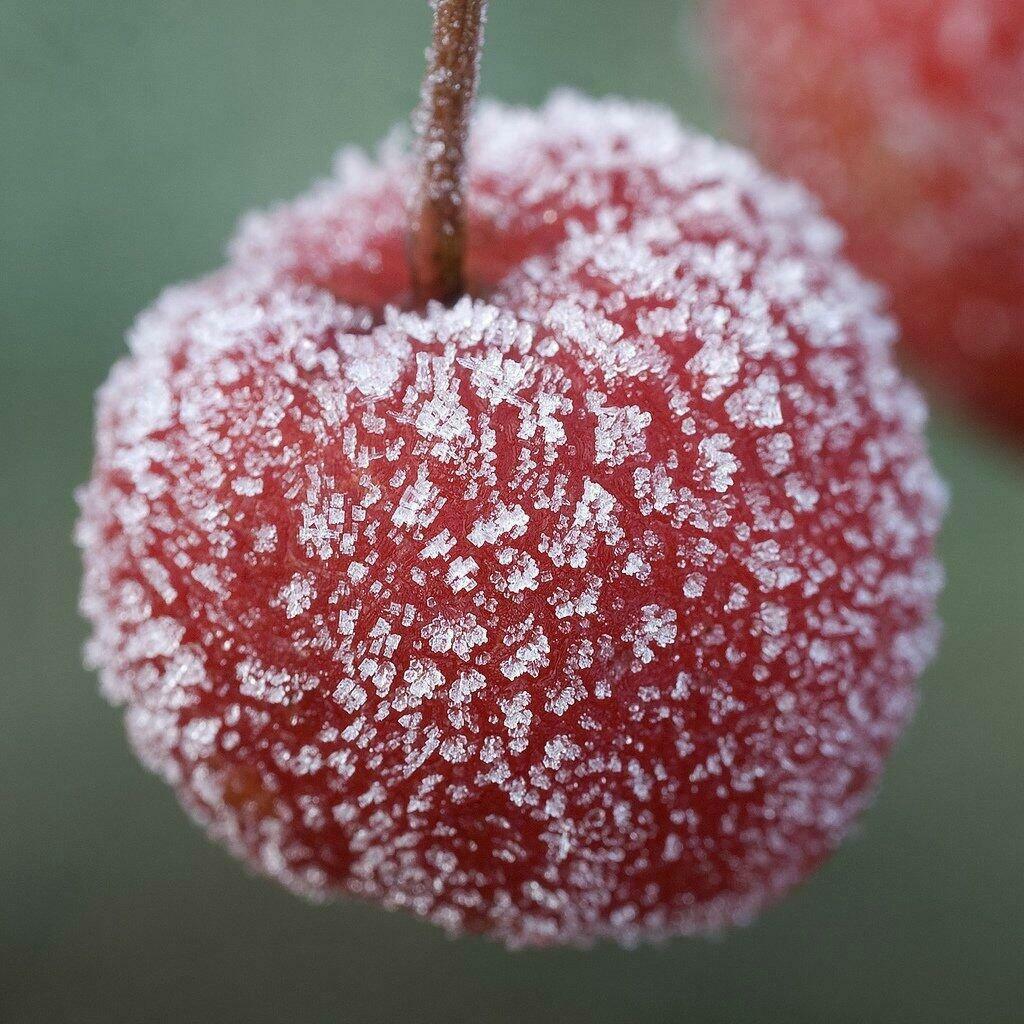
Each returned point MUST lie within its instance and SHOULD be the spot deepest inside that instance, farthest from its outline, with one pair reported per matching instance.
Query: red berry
(589, 607)
(907, 118)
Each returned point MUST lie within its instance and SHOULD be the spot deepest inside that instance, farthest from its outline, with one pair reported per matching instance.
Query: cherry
(587, 606)
(905, 116)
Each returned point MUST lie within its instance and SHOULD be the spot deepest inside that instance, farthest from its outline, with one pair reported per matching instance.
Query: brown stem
(437, 237)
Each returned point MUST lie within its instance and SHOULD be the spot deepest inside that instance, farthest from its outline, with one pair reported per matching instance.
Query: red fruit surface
(588, 608)
(907, 118)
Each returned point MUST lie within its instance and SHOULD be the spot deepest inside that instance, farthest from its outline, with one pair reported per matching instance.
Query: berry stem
(437, 238)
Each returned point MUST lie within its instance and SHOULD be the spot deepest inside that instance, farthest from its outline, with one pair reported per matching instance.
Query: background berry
(906, 118)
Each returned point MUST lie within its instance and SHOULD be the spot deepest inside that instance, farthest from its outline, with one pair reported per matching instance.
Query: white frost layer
(540, 612)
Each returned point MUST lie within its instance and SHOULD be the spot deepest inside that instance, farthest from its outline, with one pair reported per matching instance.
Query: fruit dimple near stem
(437, 236)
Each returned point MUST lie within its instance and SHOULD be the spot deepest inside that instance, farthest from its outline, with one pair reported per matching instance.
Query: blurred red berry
(587, 608)
(907, 118)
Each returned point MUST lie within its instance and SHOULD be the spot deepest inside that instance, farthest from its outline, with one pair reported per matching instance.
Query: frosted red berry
(587, 608)
(907, 118)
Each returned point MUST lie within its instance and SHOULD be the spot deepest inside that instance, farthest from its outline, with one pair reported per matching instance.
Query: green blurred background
(132, 134)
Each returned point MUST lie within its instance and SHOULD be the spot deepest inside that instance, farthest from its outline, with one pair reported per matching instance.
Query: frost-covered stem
(437, 237)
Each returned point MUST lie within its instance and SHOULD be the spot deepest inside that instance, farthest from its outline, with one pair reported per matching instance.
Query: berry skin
(587, 608)
(906, 117)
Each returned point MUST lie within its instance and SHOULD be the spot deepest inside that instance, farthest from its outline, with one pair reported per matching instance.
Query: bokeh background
(132, 135)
